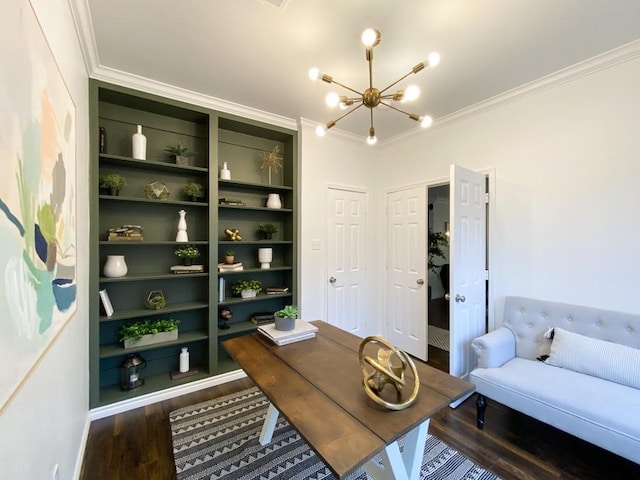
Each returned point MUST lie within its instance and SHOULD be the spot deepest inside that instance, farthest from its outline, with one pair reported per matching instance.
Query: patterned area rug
(438, 337)
(218, 439)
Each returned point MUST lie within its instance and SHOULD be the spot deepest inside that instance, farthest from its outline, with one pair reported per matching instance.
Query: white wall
(44, 423)
(567, 200)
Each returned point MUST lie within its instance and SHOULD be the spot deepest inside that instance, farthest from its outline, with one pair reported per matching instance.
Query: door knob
(460, 298)
(447, 297)
(332, 279)
(420, 281)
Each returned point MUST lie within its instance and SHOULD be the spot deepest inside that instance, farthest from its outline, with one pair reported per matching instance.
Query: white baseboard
(141, 401)
(81, 449)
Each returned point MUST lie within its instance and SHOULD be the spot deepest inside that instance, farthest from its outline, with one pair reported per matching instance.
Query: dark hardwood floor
(136, 445)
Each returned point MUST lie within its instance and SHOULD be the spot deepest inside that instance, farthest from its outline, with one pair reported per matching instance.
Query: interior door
(345, 260)
(406, 271)
(467, 250)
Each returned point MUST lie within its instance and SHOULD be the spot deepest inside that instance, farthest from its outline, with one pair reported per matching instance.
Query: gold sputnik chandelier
(372, 97)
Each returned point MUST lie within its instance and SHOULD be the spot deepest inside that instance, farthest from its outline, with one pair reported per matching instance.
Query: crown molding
(338, 132)
(84, 29)
(619, 55)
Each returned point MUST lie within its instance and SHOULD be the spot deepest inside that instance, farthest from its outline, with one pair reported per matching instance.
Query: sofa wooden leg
(481, 405)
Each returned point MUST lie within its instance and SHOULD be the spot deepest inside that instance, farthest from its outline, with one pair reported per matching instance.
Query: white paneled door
(406, 311)
(346, 254)
(467, 249)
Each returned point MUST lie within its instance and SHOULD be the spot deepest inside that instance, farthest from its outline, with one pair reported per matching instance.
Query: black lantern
(129, 372)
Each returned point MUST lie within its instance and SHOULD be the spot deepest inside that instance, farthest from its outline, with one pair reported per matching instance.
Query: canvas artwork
(37, 198)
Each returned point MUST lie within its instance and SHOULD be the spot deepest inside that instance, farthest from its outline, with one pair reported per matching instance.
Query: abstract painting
(37, 198)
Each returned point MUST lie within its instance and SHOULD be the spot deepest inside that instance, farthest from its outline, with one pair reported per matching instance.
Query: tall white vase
(273, 201)
(139, 145)
(115, 266)
(265, 257)
(182, 228)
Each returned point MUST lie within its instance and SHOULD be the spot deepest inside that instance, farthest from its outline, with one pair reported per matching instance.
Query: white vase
(115, 266)
(265, 257)
(182, 228)
(248, 293)
(225, 173)
(139, 145)
(273, 201)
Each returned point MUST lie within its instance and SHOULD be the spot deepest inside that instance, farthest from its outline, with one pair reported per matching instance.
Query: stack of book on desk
(302, 331)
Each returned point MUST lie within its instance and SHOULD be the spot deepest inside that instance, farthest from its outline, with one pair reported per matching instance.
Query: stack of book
(231, 201)
(302, 331)
(125, 233)
(276, 290)
(187, 268)
(229, 267)
(262, 318)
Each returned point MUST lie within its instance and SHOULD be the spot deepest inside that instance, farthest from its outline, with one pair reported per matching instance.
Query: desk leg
(269, 424)
(403, 465)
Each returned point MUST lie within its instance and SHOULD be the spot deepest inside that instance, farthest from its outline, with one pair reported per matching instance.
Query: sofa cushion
(598, 358)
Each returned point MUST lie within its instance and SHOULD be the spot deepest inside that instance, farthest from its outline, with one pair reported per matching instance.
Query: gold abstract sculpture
(233, 234)
(272, 160)
(386, 372)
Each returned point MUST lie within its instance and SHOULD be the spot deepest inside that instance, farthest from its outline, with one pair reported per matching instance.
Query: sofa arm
(495, 348)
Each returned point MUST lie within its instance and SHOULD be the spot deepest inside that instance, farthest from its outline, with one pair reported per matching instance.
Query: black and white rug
(218, 439)
(438, 337)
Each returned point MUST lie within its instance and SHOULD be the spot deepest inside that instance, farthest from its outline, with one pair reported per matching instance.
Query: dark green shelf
(151, 243)
(259, 187)
(235, 328)
(255, 270)
(107, 159)
(159, 276)
(258, 298)
(254, 209)
(255, 242)
(144, 312)
(115, 350)
(113, 198)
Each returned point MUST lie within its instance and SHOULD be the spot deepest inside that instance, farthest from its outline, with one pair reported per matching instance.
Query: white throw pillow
(607, 360)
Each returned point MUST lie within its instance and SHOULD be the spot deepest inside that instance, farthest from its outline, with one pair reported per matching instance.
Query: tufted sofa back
(529, 319)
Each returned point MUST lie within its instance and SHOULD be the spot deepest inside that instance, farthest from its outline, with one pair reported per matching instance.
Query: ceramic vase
(115, 266)
(225, 173)
(265, 257)
(273, 201)
(139, 144)
(182, 228)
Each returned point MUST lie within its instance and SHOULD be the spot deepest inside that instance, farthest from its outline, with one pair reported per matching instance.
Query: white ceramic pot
(115, 266)
(265, 257)
(273, 201)
(248, 293)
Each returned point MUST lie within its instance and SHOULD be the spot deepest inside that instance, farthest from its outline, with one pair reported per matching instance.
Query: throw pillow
(599, 358)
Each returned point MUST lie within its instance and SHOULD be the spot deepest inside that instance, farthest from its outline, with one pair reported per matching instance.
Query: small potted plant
(112, 183)
(181, 153)
(246, 288)
(285, 318)
(193, 191)
(148, 332)
(267, 230)
(187, 254)
(230, 256)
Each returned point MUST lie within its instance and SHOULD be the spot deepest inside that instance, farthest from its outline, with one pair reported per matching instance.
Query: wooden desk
(317, 385)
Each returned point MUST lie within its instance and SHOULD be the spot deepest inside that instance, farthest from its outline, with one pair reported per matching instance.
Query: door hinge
(486, 274)
(486, 197)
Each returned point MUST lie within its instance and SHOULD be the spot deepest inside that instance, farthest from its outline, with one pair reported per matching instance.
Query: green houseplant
(285, 318)
(112, 183)
(187, 253)
(181, 153)
(437, 241)
(193, 191)
(246, 288)
(230, 256)
(267, 230)
(148, 332)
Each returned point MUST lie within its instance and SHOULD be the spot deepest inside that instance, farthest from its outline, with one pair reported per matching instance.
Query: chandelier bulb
(433, 59)
(370, 38)
(371, 140)
(314, 73)
(321, 130)
(332, 99)
(410, 93)
(426, 121)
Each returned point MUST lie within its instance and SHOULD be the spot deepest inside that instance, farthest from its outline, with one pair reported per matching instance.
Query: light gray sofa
(595, 392)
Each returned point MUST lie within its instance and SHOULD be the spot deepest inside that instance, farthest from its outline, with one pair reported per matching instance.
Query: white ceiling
(256, 54)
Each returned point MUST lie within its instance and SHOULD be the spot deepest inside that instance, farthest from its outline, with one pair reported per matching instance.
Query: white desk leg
(269, 424)
(397, 465)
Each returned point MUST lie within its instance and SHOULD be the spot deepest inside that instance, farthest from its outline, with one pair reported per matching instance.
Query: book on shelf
(230, 267)
(231, 201)
(221, 286)
(131, 238)
(276, 290)
(187, 268)
(262, 318)
(106, 303)
(302, 331)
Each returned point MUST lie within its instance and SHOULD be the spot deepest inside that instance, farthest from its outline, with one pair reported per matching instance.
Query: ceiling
(257, 54)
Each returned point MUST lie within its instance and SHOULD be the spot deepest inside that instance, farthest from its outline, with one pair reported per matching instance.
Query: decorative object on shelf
(225, 173)
(187, 254)
(106, 303)
(184, 360)
(265, 257)
(285, 318)
(229, 256)
(115, 266)
(246, 288)
(156, 191)
(372, 97)
(273, 201)
(437, 241)
(386, 372)
(267, 230)
(112, 183)
(155, 300)
(130, 372)
(182, 236)
(194, 191)
(271, 161)
(149, 332)
(125, 233)
(102, 142)
(225, 316)
(234, 202)
(181, 153)
(233, 234)
(139, 144)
